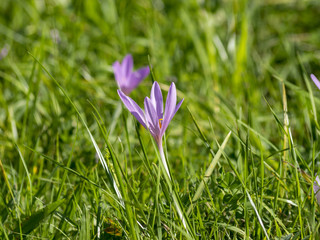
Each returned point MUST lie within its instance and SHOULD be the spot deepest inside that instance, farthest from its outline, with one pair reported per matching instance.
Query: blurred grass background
(231, 61)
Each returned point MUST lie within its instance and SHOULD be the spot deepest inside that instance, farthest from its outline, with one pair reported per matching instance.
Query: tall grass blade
(209, 172)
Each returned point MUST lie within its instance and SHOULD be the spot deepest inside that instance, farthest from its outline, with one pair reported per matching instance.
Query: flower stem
(175, 196)
(164, 162)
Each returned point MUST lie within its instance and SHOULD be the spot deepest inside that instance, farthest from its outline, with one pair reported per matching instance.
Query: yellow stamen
(160, 122)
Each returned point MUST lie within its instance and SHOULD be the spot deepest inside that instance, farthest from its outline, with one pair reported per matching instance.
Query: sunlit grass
(75, 164)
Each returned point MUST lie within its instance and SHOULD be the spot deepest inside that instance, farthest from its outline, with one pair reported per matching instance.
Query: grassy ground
(242, 66)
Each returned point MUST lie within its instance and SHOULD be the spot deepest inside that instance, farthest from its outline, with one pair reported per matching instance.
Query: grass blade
(209, 172)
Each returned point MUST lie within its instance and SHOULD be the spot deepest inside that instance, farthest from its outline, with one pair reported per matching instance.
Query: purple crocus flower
(316, 188)
(127, 79)
(315, 80)
(156, 121)
(4, 51)
(153, 118)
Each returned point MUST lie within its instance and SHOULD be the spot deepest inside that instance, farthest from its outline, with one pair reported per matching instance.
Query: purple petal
(126, 90)
(151, 117)
(163, 129)
(170, 107)
(141, 73)
(156, 99)
(133, 108)
(135, 78)
(117, 73)
(127, 65)
(138, 76)
(315, 80)
(316, 188)
(177, 108)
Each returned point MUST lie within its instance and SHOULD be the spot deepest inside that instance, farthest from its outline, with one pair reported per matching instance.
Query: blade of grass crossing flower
(209, 172)
(101, 158)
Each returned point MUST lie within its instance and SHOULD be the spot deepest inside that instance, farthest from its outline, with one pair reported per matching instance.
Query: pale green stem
(164, 162)
(171, 185)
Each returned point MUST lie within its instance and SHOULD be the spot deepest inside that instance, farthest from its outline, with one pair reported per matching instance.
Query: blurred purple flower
(127, 79)
(55, 35)
(153, 118)
(315, 80)
(316, 188)
(4, 51)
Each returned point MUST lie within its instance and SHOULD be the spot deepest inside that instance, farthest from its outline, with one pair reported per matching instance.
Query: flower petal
(163, 129)
(117, 73)
(134, 108)
(170, 107)
(127, 65)
(156, 99)
(177, 108)
(151, 117)
(315, 80)
(316, 188)
(137, 76)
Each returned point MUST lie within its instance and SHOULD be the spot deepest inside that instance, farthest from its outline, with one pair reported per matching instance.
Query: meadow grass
(243, 149)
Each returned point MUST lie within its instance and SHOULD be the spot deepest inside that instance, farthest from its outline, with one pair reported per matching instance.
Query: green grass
(75, 164)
